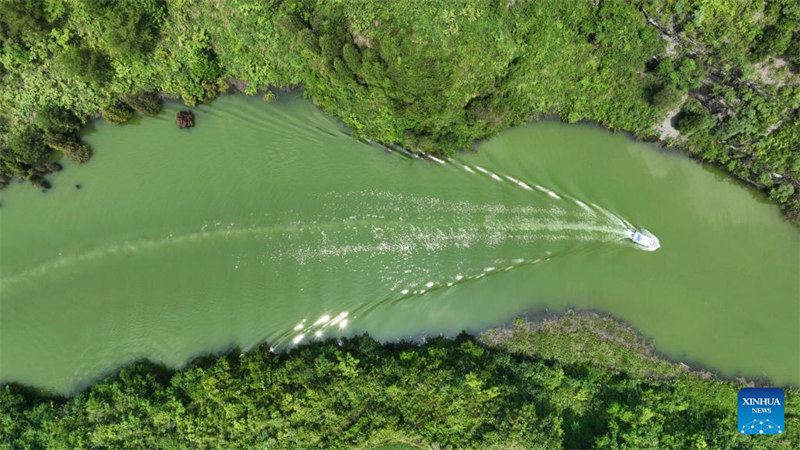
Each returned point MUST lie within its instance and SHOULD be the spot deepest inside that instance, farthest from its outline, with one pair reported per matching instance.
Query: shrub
(667, 97)
(117, 112)
(352, 57)
(694, 117)
(270, 97)
(38, 180)
(782, 192)
(185, 119)
(73, 149)
(146, 104)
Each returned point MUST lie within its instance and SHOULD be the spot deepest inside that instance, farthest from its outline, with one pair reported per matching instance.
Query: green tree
(90, 66)
(694, 117)
(28, 145)
(19, 18)
(55, 120)
(128, 27)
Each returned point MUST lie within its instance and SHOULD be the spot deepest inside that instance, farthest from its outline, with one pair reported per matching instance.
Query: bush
(38, 180)
(117, 112)
(684, 73)
(269, 97)
(782, 192)
(73, 149)
(667, 97)
(306, 40)
(146, 104)
(694, 117)
(185, 119)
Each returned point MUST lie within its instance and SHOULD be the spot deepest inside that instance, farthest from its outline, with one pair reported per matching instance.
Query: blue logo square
(761, 411)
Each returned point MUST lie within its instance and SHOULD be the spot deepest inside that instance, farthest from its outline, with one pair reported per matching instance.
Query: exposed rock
(666, 129)
(774, 71)
(360, 40)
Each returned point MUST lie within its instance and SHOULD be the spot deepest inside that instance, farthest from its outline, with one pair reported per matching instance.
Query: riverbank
(565, 381)
(435, 81)
(599, 339)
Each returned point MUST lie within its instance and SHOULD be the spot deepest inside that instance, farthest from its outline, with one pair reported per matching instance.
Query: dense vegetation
(431, 76)
(529, 388)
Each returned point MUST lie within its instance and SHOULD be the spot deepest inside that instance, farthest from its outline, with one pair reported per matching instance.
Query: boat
(645, 239)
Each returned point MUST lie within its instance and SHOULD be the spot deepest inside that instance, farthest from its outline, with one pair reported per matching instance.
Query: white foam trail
(518, 182)
(298, 338)
(324, 318)
(525, 186)
(583, 205)
(338, 318)
(468, 169)
(619, 221)
(548, 192)
(435, 159)
(491, 174)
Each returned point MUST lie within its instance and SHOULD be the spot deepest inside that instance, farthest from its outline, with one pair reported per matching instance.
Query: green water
(267, 222)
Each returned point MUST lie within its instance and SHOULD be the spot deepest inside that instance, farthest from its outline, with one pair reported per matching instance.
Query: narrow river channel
(267, 222)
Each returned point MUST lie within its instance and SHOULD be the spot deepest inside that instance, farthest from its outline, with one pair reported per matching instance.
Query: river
(267, 222)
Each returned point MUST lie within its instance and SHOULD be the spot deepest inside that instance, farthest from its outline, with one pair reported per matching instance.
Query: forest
(577, 380)
(716, 79)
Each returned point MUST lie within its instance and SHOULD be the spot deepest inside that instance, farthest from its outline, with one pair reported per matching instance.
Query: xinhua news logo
(761, 411)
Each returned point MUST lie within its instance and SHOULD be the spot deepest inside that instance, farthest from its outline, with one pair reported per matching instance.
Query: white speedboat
(645, 239)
